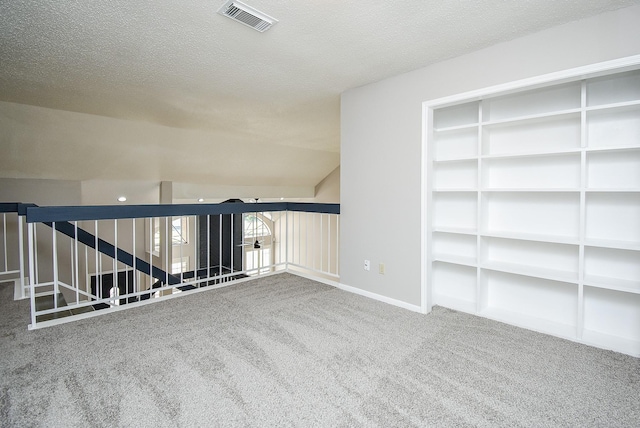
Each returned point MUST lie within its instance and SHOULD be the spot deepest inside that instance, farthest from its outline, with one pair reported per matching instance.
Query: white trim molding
(380, 298)
(572, 74)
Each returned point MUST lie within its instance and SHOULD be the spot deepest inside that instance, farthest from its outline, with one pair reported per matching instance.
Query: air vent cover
(247, 15)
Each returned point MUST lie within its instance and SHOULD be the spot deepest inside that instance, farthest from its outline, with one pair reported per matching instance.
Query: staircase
(44, 303)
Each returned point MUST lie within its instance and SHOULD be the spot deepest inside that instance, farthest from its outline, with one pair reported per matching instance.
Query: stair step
(44, 303)
(47, 302)
(81, 310)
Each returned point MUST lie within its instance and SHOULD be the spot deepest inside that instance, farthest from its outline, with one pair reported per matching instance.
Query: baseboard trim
(380, 298)
(359, 291)
(311, 277)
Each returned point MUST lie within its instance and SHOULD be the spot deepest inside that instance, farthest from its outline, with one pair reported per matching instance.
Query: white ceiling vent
(247, 15)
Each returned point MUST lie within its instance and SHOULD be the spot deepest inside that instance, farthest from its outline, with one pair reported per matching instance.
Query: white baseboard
(381, 298)
(359, 291)
(312, 277)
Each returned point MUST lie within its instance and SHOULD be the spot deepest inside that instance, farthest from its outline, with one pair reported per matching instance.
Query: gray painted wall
(381, 139)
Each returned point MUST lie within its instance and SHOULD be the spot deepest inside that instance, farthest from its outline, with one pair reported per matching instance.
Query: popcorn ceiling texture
(181, 65)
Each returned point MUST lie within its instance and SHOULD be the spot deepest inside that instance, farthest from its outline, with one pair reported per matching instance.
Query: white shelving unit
(533, 207)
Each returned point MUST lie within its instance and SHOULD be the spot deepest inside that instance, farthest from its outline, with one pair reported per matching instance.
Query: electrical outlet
(367, 265)
(381, 268)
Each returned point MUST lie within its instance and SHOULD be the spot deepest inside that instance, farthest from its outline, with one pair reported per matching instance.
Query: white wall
(40, 192)
(38, 142)
(189, 193)
(328, 190)
(106, 192)
(381, 139)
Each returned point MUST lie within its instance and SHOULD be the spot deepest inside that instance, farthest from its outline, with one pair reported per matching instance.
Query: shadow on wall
(328, 190)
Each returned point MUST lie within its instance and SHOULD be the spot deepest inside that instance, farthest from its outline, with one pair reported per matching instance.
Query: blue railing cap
(111, 212)
(8, 207)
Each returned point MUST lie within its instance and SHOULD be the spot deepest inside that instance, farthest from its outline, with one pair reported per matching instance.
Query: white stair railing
(89, 260)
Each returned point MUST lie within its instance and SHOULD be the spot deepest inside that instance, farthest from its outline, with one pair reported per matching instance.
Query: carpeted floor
(286, 351)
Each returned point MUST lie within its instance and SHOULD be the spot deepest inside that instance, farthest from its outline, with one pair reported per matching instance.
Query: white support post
(167, 238)
(196, 253)
(337, 244)
(306, 238)
(21, 249)
(71, 262)
(98, 264)
(134, 261)
(114, 283)
(321, 246)
(87, 283)
(208, 246)
(299, 239)
(315, 246)
(76, 272)
(55, 264)
(182, 240)
(286, 248)
(329, 216)
(35, 244)
(280, 239)
(126, 276)
(4, 240)
(232, 243)
(151, 250)
(32, 272)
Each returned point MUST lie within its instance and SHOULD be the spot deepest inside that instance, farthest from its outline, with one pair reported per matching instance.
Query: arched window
(255, 227)
(257, 242)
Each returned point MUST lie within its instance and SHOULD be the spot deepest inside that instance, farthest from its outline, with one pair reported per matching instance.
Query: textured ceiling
(180, 64)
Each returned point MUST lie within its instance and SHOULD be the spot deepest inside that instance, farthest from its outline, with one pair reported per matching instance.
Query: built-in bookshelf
(534, 207)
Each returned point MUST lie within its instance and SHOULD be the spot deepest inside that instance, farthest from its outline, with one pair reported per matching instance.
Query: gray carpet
(286, 351)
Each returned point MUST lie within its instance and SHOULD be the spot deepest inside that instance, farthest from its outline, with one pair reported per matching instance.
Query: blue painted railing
(64, 219)
(87, 238)
(62, 215)
(37, 214)
(8, 207)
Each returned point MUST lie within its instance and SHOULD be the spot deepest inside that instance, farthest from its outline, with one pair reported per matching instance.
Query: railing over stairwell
(12, 255)
(89, 260)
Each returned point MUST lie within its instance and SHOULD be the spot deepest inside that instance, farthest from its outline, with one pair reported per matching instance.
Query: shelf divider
(554, 176)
